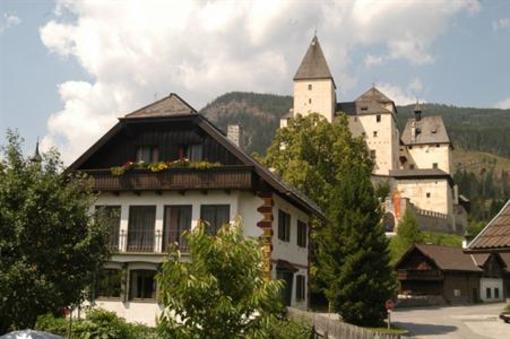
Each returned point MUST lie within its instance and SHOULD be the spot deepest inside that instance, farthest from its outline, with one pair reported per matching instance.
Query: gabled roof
(168, 106)
(496, 235)
(314, 65)
(421, 173)
(373, 101)
(284, 189)
(429, 130)
(446, 258)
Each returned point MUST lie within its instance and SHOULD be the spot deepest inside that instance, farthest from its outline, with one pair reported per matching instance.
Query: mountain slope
(478, 129)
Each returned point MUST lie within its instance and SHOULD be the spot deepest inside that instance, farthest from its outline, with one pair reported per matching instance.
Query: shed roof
(496, 235)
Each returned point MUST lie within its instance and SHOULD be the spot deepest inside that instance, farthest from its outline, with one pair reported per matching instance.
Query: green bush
(98, 324)
(289, 329)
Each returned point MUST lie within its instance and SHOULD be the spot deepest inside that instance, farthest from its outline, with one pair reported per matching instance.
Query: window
(410, 147)
(110, 215)
(456, 292)
(300, 287)
(363, 134)
(310, 100)
(283, 226)
(411, 166)
(437, 145)
(372, 153)
(375, 134)
(177, 220)
(309, 87)
(141, 228)
(428, 194)
(302, 231)
(378, 118)
(142, 284)
(147, 154)
(434, 165)
(195, 152)
(488, 293)
(364, 108)
(108, 283)
(215, 216)
(496, 293)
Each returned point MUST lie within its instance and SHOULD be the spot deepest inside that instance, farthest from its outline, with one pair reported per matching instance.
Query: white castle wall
(321, 98)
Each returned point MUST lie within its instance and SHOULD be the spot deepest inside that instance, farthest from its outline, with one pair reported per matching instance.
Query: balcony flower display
(163, 165)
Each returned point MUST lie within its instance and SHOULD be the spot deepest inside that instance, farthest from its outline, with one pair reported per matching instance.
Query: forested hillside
(480, 135)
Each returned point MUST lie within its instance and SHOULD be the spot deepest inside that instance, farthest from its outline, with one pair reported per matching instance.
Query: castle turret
(314, 86)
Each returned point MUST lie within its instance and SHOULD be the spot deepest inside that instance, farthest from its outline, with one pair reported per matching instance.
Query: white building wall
(424, 156)
(321, 98)
(492, 284)
(381, 137)
(243, 204)
(290, 251)
(440, 199)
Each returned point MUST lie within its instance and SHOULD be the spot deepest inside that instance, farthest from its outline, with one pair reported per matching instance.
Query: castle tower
(314, 87)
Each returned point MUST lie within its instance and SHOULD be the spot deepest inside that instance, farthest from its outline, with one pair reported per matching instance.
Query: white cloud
(409, 95)
(504, 104)
(501, 24)
(133, 49)
(373, 60)
(7, 21)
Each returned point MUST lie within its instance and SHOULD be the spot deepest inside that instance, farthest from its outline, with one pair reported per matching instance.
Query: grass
(475, 161)
(385, 330)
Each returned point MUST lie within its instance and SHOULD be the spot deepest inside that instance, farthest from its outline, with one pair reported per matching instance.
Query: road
(455, 322)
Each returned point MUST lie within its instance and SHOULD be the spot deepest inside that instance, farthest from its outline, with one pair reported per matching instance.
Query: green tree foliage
(49, 244)
(408, 230)
(221, 292)
(351, 258)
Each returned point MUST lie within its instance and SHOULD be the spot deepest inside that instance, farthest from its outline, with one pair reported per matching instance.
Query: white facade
(381, 136)
(430, 156)
(242, 204)
(315, 96)
(491, 289)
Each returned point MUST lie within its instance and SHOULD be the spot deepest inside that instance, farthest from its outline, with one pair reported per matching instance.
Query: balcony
(411, 274)
(143, 242)
(225, 177)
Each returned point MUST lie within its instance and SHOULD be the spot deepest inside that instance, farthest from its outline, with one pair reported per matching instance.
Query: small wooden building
(449, 274)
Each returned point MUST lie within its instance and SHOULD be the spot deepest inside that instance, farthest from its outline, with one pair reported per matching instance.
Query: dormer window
(147, 154)
(309, 87)
(364, 108)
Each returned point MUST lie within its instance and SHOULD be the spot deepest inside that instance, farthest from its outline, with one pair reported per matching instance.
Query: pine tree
(350, 262)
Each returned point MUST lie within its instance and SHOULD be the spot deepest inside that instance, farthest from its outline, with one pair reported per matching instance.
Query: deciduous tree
(49, 244)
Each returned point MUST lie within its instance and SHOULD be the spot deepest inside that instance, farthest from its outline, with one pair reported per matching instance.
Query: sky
(69, 69)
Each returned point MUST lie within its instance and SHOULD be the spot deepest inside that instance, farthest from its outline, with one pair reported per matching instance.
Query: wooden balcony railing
(419, 275)
(224, 177)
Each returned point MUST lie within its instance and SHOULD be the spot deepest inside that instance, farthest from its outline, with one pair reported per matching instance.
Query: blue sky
(68, 70)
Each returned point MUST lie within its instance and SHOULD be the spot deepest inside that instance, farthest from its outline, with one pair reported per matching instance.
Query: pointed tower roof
(168, 106)
(314, 65)
(37, 156)
(373, 94)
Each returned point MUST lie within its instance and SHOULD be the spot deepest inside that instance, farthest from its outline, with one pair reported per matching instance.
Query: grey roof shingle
(429, 130)
(496, 235)
(168, 106)
(314, 65)
(372, 101)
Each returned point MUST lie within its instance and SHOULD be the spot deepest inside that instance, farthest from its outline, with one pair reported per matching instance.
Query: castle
(416, 163)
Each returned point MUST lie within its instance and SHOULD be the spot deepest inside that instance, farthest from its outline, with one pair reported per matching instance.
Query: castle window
(428, 194)
(410, 147)
(375, 134)
(372, 153)
(378, 118)
(363, 134)
(364, 108)
(434, 165)
(310, 100)
(309, 87)
(437, 145)
(411, 166)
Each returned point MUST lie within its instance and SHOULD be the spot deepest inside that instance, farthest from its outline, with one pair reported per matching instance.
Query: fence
(334, 328)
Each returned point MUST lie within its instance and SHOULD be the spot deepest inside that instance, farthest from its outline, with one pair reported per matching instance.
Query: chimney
(417, 111)
(234, 134)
